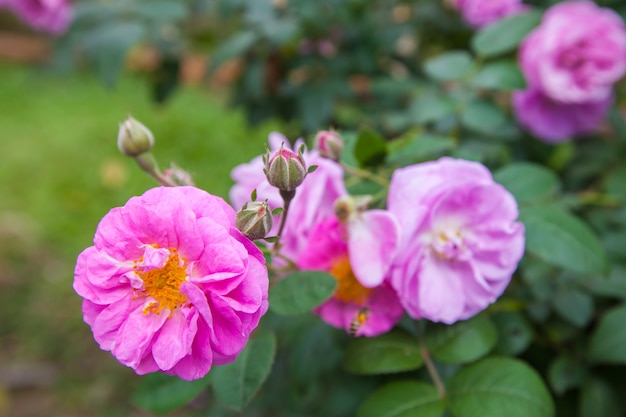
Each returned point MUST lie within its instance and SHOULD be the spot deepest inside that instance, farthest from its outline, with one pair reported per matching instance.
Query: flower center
(449, 245)
(349, 289)
(163, 284)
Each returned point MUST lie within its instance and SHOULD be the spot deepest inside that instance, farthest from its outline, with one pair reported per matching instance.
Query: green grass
(60, 172)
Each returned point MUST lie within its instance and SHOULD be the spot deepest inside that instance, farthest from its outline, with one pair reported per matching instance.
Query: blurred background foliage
(409, 70)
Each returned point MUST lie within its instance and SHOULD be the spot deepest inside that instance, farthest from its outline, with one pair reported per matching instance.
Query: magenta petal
(373, 240)
(174, 340)
(136, 335)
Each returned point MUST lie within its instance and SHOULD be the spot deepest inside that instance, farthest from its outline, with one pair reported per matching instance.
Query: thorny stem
(430, 366)
(287, 197)
(365, 174)
(147, 163)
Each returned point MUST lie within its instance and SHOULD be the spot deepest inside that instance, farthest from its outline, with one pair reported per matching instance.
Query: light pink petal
(441, 294)
(373, 240)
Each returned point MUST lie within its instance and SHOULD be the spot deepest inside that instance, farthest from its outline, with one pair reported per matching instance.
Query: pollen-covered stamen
(449, 245)
(163, 284)
(349, 289)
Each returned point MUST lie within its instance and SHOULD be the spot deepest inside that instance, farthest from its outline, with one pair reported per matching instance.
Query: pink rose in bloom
(53, 16)
(576, 54)
(312, 203)
(332, 247)
(170, 284)
(479, 13)
(554, 121)
(460, 241)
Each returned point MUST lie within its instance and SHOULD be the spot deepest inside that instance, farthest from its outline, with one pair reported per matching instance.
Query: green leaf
(615, 184)
(161, 10)
(461, 342)
(300, 292)
(159, 393)
(418, 149)
(573, 305)
(528, 181)
(496, 387)
(403, 399)
(430, 107)
(370, 148)
(504, 75)
(561, 239)
(232, 48)
(565, 373)
(608, 341)
(483, 117)
(514, 332)
(504, 35)
(453, 65)
(236, 383)
(597, 398)
(392, 352)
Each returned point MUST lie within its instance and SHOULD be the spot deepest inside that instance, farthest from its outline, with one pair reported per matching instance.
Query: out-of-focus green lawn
(60, 172)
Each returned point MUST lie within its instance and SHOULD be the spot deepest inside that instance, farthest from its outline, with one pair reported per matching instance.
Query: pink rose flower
(53, 16)
(341, 249)
(170, 284)
(479, 13)
(576, 54)
(312, 203)
(460, 240)
(554, 121)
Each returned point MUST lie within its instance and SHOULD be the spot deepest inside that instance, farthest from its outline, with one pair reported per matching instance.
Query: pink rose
(50, 15)
(312, 203)
(479, 13)
(576, 54)
(555, 121)
(170, 284)
(358, 254)
(460, 240)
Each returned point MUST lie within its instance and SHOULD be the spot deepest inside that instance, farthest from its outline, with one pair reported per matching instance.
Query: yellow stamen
(163, 284)
(349, 289)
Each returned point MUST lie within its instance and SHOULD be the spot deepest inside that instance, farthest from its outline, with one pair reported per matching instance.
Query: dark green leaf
(497, 387)
(528, 181)
(565, 373)
(392, 352)
(608, 341)
(574, 305)
(503, 75)
(483, 117)
(161, 10)
(300, 292)
(463, 341)
(159, 393)
(597, 398)
(430, 107)
(418, 149)
(615, 184)
(514, 332)
(561, 239)
(453, 65)
(403, 399)
(370, 148)
(232, 48)
(236, 383)
(505, 35)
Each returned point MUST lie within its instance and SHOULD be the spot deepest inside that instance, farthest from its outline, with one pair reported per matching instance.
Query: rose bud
(134, 138)
(254, 220)
(285, 169)
(329, 144)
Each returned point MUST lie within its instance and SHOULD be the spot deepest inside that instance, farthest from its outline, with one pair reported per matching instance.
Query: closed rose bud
(285, 169)
(329, 144)
(178, 176)
(254, 220)
(134, 138)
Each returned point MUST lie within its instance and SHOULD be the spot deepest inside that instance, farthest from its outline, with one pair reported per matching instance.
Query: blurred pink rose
(554, 121)
(52, 16)
(576, 54)
(170, 284)
(351, 252)
(460, 242)
(479, 13)
(312, 203)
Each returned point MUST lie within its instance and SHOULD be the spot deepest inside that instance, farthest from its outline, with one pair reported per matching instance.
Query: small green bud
(134, 138)
(178, 176)
(254, 220)
(285, 169)
(329, 144)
